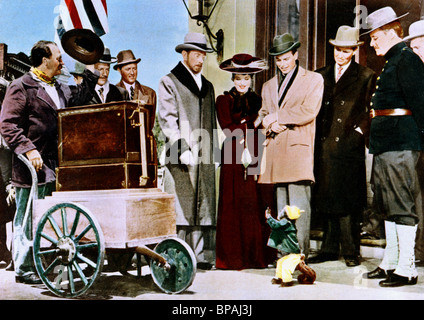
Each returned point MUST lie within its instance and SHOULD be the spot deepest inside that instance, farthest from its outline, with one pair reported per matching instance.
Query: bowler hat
(243, 63)
(106, 57)
(282, 44)
(194, 41)
(346, 37)
(415, 30)
(381, 17)
(125, 57)
(78, 69)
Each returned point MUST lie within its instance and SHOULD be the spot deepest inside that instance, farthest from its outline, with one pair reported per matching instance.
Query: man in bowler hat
(396, 141)
(290, 103)
(105, 91)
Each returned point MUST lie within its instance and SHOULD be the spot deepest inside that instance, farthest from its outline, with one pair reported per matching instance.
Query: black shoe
(394, 280)
(378, 273)
(352, 261)
(322, 257)
(29, 279)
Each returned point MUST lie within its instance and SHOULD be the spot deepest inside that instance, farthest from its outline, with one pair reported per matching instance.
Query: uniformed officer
(395, 141)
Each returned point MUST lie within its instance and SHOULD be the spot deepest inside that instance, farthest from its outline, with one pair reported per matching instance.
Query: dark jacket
(29, 121)
(400, 85)
(339, 148)
(115, 94)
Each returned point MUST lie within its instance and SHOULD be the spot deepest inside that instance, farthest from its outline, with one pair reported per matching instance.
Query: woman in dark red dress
(240, 242)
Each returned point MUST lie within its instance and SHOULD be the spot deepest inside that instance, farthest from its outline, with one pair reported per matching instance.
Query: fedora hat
(282, 44)
(125, 57)
(346, 37)
(194, 41)
(415, 30)
(106, 57)
(381, 17)
(83, 45)
(243, 63)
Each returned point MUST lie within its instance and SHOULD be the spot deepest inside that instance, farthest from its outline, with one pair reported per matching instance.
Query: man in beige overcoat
(291, 102)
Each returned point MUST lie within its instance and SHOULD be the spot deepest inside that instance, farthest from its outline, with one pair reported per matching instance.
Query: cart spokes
(68, 249)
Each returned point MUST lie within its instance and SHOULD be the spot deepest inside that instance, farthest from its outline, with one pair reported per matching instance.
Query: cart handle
(34, 187)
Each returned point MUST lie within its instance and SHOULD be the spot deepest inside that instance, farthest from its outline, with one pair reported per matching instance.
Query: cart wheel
(179, 275)
(68, 249)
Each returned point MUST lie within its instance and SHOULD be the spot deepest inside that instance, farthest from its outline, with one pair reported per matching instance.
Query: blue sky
(151, 29)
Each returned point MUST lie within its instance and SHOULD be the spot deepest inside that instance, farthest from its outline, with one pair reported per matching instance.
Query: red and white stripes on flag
(83, 14)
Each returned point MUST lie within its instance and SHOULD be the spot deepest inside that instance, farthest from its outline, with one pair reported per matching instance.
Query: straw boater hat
(243, 63)
(125, 57)
(194, 41)
(106, 57)
(347, 37)
(381, 17)
(282, 44)
(415, 30)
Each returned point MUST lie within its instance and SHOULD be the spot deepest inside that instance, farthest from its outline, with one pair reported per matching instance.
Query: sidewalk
(334, 281)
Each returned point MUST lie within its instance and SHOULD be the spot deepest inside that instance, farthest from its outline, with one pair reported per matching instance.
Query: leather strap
(390, 112)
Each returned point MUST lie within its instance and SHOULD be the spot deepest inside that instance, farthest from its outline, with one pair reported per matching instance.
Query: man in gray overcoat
(186, 114)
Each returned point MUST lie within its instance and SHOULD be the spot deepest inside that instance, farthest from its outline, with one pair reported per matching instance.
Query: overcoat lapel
(350, 76)
(187, 80)
(295, 87)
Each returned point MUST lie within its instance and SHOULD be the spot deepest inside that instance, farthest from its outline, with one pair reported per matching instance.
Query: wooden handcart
(89, 217)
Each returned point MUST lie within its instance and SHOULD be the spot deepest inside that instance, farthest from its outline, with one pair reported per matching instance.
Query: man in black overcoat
(340, 192)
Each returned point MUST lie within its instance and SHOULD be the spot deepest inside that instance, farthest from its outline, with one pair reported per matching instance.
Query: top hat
(415, 30)
(106, 57)
(125, 57)
(282, 44)
(346, 37)
(243, 63)
(381, 17)
(194, 41)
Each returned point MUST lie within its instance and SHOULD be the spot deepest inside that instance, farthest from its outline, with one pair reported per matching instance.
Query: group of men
(319, 118)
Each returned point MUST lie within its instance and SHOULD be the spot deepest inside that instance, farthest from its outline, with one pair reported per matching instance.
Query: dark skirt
(241, 233)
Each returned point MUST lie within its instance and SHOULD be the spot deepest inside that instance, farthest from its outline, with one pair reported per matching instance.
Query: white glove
(11, 195)
(187, 158)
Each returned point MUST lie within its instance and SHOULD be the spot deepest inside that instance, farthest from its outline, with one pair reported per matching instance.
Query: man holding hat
(186, 115)
(340, 192)
(395, 141)
(290, 103)
(105, 91)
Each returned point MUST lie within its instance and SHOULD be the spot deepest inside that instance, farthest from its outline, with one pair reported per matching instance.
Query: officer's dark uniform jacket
(400, 85)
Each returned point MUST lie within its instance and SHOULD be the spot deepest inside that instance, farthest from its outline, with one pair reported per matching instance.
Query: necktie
(339, 74)
(101, 94)
(132, 93)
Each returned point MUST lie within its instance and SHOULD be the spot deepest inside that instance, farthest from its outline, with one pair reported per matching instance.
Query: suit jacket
(146, 94)
(340, 147)
(115, 94)
(29, 121)
(289, 156)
